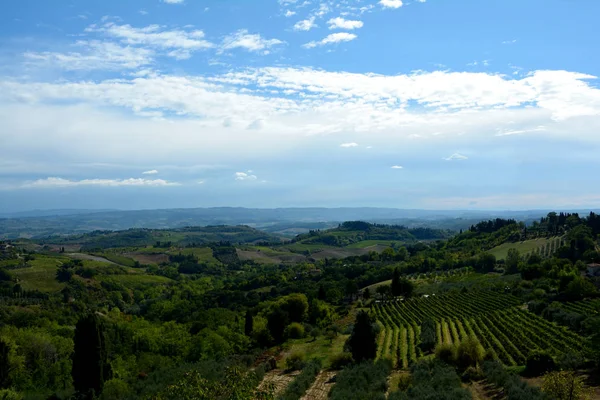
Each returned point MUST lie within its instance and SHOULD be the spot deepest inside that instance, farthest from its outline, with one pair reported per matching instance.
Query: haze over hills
(283, 221)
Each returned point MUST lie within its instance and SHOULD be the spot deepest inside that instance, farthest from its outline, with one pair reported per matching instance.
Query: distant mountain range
(283, 221)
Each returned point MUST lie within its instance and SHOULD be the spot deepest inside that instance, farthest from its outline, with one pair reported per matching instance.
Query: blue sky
(430, 104)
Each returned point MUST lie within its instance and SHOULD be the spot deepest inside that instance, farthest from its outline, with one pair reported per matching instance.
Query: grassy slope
(524, 247)
(42, 274)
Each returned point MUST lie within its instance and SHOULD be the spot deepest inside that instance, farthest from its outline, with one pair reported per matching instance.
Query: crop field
(524, 247)
(496, 320)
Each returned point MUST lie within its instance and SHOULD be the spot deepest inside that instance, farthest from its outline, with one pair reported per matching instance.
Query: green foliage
(428, 338)
(294, 330)
(565, 385)
(514, 387)
(295, 361)
(341, 360)
(364, 381)
(363, 340)
(446, 353)
(90, 358)
(9, 394)
(538, 363)
(236, 385)
(432, 380)
(469, 353)
(296, 389)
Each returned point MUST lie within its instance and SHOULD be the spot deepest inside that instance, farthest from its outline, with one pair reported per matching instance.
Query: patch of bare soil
(321, 387)
(278, 380)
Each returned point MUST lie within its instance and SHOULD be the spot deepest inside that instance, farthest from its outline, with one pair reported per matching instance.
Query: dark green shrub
(341, 360)
(538, 363)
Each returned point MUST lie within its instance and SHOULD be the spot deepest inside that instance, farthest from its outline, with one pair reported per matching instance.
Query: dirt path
(82, 256)
(279, 379)
(321, 387)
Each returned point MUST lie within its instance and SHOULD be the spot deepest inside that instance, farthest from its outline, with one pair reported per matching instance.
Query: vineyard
(495, 319)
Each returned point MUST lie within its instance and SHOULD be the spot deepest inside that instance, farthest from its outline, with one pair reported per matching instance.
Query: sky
(428, 104)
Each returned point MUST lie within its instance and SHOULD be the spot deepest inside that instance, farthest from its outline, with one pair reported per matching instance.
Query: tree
(90, 359)
(4, 364)
(396, 287)
(580, 288)
(428, 335)
(564, 385)
(277, 321)
(248, 323)
(486, 262)
(383, 291)
(366, 294)
(351, 289)
(363, 340)
(322, 295)
(512, 261)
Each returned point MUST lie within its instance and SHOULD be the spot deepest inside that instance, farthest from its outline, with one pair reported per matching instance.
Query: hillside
(182, 312)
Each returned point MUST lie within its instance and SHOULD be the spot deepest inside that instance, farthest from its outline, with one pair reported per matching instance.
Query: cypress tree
(90, 360)
(249, 323)
(322, 295)
(4, 364)
(363, 340)
(396, 284)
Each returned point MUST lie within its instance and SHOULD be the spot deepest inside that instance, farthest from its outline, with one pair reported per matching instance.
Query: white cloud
(391, 3)
(510, 132)
(322, 10)
(332, 38)
(94, 55)
(155, 36)
(509, 41)
(397, 167)
(289, 13)
(243, 176)
(456, 156)
(349, 145)
(248, 41)
(143, 12)
(305, 25)
(53, 182)
(173, 1)
(151, 172)
(342, 23)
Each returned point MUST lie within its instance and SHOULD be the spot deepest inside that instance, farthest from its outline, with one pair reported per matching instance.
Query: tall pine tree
(90, 359)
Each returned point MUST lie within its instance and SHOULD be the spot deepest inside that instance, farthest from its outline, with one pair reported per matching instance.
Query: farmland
(496, 320)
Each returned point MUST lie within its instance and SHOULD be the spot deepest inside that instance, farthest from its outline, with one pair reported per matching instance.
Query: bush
(302, 382)
(514, 387)
(9, 394)
(432, 380)
(339, 361)
(446, 353)
(294, 330)
(538, 363)
(365, 381)
(404, 382)
(469, 353)
(564, 385)
(295, 361)
(115, 389)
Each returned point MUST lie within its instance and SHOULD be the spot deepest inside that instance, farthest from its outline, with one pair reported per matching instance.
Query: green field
(41, 275)
(135, 280)
(524, 247)
(322, 348)
(204, 254)
(368, 243)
